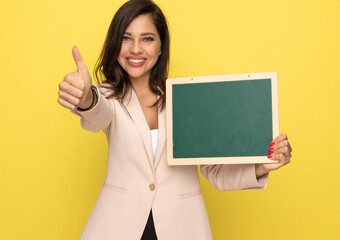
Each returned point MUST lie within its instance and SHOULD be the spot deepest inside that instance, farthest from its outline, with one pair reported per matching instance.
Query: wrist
(260, 170)
(89, 102)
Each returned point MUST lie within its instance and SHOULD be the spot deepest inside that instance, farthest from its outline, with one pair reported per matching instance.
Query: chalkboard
(229, 119)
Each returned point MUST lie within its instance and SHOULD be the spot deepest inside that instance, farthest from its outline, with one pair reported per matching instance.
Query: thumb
(78, 59)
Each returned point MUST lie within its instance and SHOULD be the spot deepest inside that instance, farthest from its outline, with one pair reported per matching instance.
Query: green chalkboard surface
(222, 119)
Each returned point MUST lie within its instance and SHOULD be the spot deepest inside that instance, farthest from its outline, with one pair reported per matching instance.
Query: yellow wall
(51, 170)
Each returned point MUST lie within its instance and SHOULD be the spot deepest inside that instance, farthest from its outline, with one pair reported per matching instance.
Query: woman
(143, 197)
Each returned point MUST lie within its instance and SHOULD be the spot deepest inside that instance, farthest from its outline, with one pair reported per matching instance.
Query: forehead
(142, 24)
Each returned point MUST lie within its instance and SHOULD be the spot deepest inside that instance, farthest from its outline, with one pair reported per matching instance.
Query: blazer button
(152, 187)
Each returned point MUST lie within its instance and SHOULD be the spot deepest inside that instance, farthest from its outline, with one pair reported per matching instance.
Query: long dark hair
(109, 71)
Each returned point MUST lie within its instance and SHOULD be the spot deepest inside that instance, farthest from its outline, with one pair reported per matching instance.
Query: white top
(154, 140)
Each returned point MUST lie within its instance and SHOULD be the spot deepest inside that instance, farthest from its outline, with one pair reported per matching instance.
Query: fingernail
(271, 148)
(271, 152)
(269, 157)
(272, 144)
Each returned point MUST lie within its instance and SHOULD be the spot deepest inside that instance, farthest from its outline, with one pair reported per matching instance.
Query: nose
(136, 48)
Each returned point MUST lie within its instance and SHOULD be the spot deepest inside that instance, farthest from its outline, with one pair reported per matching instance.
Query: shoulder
(105, 89)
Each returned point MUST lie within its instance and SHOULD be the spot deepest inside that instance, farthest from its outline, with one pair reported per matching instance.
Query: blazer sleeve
(100, 116)
(233, 177)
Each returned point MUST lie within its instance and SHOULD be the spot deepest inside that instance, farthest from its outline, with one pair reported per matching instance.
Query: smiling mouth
(136, 60)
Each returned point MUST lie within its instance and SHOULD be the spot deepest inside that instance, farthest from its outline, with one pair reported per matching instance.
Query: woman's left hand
(280, 150)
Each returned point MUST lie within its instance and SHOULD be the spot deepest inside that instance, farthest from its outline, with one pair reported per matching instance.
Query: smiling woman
(142, 196)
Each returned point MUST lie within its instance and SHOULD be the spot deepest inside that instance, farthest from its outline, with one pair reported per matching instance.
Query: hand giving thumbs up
(75, 89)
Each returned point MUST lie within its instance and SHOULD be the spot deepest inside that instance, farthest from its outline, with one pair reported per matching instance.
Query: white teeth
(136, 60)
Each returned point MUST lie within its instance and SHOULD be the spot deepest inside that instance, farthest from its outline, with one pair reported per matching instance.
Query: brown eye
(125, 38)
(148, 39)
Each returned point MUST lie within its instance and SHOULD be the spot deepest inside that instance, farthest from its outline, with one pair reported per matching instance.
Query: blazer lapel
(161, 135)
(136, 113)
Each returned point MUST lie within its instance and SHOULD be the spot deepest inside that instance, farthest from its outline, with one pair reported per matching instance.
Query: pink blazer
(135, 183)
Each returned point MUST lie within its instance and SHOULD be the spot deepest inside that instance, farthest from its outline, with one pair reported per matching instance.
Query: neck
(141, 86)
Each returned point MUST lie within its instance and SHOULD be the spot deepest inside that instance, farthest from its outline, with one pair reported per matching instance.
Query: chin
(137, 76)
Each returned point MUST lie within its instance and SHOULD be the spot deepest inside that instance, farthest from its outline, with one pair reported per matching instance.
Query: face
(140, 48)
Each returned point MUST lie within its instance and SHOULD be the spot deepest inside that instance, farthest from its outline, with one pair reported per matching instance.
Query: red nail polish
(269, 157)
(271, 148)
(271, 152)
(272, 144)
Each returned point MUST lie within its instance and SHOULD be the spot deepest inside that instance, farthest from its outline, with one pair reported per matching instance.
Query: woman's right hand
(75, 89)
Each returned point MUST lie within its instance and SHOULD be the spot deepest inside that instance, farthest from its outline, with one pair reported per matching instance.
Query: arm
(233, 177)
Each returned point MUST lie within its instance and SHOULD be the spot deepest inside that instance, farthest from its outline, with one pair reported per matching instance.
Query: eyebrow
(143, 34)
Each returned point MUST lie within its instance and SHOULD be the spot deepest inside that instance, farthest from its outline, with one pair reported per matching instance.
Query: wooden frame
(222, 78)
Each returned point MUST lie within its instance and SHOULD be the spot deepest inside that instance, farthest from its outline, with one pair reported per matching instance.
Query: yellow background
(51, 170)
